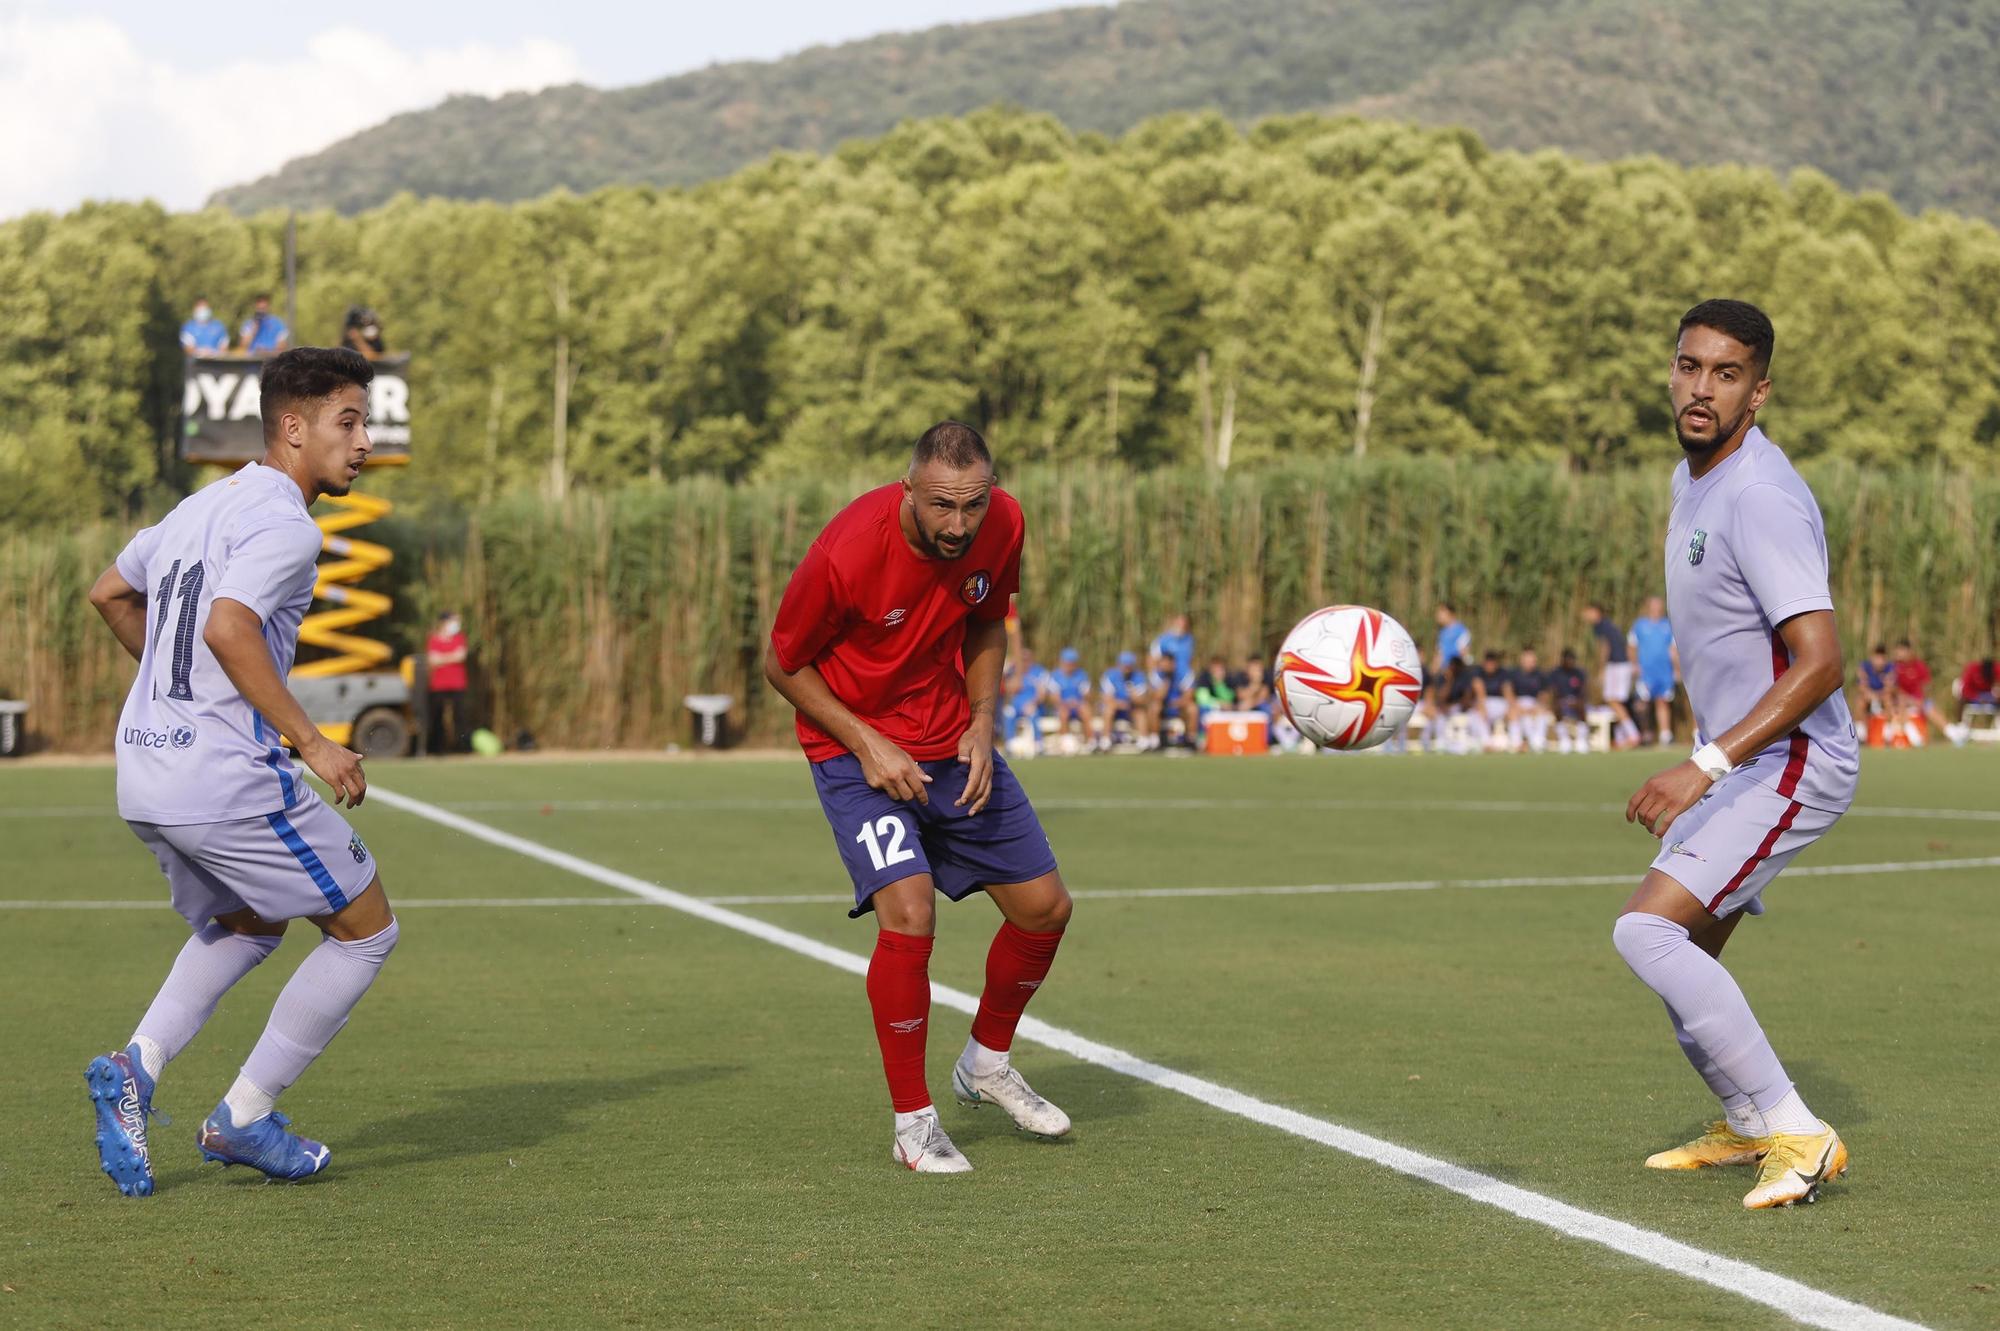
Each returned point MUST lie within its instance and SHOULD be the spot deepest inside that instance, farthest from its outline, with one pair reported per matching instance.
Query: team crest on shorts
(181, 737)
(1698, 546)
(356, 849)
(975, 588)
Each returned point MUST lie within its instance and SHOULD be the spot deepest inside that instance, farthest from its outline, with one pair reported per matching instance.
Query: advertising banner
(220, 422)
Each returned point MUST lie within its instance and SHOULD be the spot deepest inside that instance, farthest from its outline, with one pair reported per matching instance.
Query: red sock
(1016, 965)
(899, 992)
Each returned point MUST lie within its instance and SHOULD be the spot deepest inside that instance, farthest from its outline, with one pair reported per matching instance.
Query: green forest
(1883, 95)
(1191, 293)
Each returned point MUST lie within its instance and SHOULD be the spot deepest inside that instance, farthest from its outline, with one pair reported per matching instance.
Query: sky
(123, 99)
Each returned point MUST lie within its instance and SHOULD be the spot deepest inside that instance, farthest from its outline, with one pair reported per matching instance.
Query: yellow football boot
(1795, 1166)
(1720, 1144)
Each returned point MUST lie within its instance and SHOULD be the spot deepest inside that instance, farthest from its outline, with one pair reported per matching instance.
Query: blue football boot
(264, 1145)
(122, 1095)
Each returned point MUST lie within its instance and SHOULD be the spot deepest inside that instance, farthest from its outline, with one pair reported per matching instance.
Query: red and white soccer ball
(1348, 677)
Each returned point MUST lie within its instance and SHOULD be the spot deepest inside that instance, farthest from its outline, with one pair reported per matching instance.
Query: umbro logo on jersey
(906, 1026)
(894, 617)
(1698, 546)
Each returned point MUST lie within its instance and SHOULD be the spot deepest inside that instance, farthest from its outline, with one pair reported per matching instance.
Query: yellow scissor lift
(347, 694)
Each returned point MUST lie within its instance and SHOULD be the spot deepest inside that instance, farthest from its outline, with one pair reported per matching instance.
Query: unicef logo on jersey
(1698, 546)
(180, 737)
(975, 588)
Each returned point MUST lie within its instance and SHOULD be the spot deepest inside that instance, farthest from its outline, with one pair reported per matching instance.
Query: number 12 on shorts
(888, 828)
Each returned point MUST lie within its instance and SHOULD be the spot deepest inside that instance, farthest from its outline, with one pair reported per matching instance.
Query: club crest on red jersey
(975, 588)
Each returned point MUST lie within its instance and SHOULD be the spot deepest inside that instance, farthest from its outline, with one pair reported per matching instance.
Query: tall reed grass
(592, 618)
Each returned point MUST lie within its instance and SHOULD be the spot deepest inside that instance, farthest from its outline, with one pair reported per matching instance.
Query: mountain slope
(1880, 94)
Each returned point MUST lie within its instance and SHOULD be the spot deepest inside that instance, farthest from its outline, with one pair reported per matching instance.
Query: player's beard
(1698, 447)
(936, 551)
(341, 482)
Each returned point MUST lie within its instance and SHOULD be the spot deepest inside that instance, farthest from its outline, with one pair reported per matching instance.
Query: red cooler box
(1238, 733)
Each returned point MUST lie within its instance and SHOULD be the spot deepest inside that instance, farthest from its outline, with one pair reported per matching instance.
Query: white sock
(209, 963)
(984, 1062)
(312, 1008)
(1745, 1121)
(248, 1102)
(152, 1055)
(1791, 1116)
(906, 1121)
(1709, 1007)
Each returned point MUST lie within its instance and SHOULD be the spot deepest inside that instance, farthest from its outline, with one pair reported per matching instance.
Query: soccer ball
(1348, 677)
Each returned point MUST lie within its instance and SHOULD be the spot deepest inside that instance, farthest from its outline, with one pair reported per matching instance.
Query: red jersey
(886, 625)
(1913, 677)
(448, 678)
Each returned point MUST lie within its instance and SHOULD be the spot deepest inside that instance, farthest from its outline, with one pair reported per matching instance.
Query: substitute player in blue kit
(209, 603)
(1776, 763)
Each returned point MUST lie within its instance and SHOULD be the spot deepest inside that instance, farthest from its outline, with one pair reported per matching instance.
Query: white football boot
(1008, 1089)
(924, 1147)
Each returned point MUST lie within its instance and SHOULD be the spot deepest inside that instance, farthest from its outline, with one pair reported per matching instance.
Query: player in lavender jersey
(209, 603)
(1776, 762)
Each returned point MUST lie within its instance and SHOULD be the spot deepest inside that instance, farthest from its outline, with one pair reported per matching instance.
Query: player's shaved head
(947, 491)
(954, 444)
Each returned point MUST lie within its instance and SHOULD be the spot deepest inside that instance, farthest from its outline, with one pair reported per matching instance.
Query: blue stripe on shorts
(305, 856)
(272, 760)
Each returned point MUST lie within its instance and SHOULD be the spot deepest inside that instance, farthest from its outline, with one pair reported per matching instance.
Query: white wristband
(1712, 760)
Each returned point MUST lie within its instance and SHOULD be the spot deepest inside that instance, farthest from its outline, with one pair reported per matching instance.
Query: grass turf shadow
(484, 1119)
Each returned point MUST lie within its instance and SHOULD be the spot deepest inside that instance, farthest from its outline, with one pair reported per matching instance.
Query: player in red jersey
(890, 642)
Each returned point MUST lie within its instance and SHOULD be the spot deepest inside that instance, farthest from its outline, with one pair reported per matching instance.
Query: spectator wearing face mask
(444, 655)
(264, 333)
(204, 334)
(363, 332)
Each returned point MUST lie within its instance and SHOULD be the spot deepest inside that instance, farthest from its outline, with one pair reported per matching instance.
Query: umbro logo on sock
(905, 1027)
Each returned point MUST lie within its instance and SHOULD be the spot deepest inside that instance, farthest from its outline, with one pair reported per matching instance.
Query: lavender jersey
(1746, 550)
(190, 748)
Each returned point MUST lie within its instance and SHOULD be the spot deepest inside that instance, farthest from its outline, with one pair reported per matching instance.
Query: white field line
(401, 903)
(1798, 1301)
(1137, 804)
(1102, 893)
(1404, 885)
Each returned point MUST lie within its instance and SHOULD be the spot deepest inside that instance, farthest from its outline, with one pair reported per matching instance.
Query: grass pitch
(613, 1114)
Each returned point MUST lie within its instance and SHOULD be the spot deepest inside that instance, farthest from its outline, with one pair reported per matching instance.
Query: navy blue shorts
(884, 840)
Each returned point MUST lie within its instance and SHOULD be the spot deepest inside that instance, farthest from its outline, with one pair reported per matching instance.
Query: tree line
(1190, 293)
(1900, 97)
